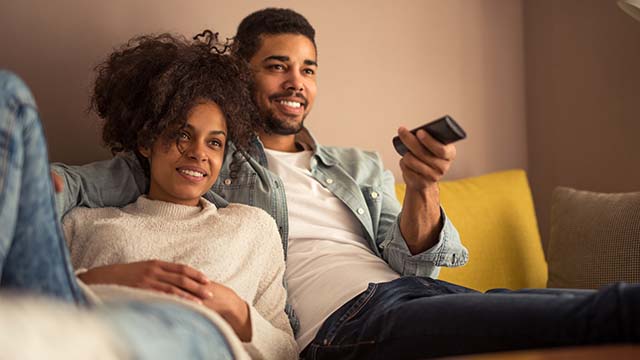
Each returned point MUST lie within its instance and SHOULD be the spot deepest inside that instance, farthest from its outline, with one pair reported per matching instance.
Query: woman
(175, 104)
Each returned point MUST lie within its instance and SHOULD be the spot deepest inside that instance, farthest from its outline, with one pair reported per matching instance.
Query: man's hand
(426, 162)
(231, 307)
(58, 184)
(162, 276)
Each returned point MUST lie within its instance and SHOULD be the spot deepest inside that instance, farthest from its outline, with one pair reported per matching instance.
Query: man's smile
(290, 104)
(293, 104)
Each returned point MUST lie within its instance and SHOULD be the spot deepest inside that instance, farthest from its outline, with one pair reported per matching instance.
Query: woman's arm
(272, 336)
(162, 276)
(157, 275)
(232, 308)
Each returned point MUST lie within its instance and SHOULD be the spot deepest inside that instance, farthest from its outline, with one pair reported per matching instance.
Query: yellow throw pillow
(496, 220)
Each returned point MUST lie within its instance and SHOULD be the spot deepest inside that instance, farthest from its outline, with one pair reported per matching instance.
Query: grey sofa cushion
(595, 239)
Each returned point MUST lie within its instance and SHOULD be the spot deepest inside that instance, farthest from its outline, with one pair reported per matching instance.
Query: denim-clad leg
(165, 331)
(414, 317)
(33, 253)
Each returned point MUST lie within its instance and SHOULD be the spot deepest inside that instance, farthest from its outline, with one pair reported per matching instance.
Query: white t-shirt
(328, 259)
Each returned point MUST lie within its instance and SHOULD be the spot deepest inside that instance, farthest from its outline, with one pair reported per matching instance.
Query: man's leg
(418, 318)
(33, 254)
(60, 330)
(164, 331)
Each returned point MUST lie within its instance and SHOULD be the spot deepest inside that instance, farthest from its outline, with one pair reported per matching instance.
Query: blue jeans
(34, 258)
(415, 317)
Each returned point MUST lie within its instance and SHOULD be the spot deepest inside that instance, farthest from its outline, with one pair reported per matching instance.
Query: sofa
(495, 217)
(594, 238)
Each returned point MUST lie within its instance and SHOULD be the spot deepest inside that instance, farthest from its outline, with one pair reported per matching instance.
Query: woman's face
(183, 171)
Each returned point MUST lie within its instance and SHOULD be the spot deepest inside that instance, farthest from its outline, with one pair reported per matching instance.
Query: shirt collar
(307, 140)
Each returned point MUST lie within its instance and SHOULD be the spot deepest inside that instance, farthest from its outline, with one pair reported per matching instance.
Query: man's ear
(144, 151)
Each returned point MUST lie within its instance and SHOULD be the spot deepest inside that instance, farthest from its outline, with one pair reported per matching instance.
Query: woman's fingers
(173, 290)
(186, 284)
(184, 270)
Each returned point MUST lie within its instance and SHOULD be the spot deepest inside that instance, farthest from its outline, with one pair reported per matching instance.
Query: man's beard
(282, 126)
(274, 125)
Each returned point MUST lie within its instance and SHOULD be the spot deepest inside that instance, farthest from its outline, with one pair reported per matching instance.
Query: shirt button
(360, 211)
(374, 195)
(329, 181)
(227, 181)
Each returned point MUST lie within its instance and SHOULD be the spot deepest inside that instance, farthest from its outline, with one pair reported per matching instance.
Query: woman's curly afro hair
(145, 90)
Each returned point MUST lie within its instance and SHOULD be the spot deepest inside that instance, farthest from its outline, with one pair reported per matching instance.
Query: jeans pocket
(439, 287)
(347, 312)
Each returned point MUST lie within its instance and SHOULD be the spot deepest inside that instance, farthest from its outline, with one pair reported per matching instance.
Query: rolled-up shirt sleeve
(115, 182)
(448, 251)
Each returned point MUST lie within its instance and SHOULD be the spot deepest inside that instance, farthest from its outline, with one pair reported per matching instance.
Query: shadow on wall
(583, 91)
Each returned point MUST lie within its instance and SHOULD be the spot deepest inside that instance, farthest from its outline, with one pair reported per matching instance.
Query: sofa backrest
(496, 219)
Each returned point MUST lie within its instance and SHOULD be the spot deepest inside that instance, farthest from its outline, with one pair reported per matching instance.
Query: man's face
(285, 69)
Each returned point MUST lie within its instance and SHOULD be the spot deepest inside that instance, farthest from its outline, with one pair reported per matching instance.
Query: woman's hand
(166, 277)
(231, 307)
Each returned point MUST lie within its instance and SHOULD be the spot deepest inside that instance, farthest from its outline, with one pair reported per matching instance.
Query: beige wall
(382, 64)
(583, 98)
(385, 63)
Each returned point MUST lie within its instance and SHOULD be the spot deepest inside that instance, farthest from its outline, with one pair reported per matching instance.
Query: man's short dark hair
(269, 21)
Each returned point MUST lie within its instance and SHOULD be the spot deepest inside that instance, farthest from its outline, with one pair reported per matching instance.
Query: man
(360, 268)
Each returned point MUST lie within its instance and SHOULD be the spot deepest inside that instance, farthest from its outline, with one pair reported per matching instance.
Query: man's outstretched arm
(419, 238)
(115, 182)
(426, 162)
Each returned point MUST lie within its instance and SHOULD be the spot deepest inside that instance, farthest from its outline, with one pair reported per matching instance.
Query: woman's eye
(215, 143)
(277, 67)
(183, 136)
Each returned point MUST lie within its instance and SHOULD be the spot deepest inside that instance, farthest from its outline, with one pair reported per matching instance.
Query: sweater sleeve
(73, 234)
(77, 229)
(272, 335)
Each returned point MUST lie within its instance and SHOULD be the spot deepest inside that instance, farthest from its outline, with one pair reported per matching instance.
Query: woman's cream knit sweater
(237, 246)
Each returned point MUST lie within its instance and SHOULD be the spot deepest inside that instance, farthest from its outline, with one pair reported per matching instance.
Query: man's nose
(294, 82)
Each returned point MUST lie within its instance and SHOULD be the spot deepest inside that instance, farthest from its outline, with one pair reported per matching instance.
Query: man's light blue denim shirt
(354, 176)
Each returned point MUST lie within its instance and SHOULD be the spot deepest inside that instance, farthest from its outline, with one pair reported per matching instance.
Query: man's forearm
(421, 222)
(114, 182)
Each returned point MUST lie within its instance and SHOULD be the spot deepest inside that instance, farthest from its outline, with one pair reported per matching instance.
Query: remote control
(445, 130)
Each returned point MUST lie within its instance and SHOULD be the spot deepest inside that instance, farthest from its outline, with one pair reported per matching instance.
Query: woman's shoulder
(252, 220)
(246, 211)
(88, 214)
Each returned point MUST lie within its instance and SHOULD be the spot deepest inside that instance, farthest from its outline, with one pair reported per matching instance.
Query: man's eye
(309, 71)
(277, 67)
